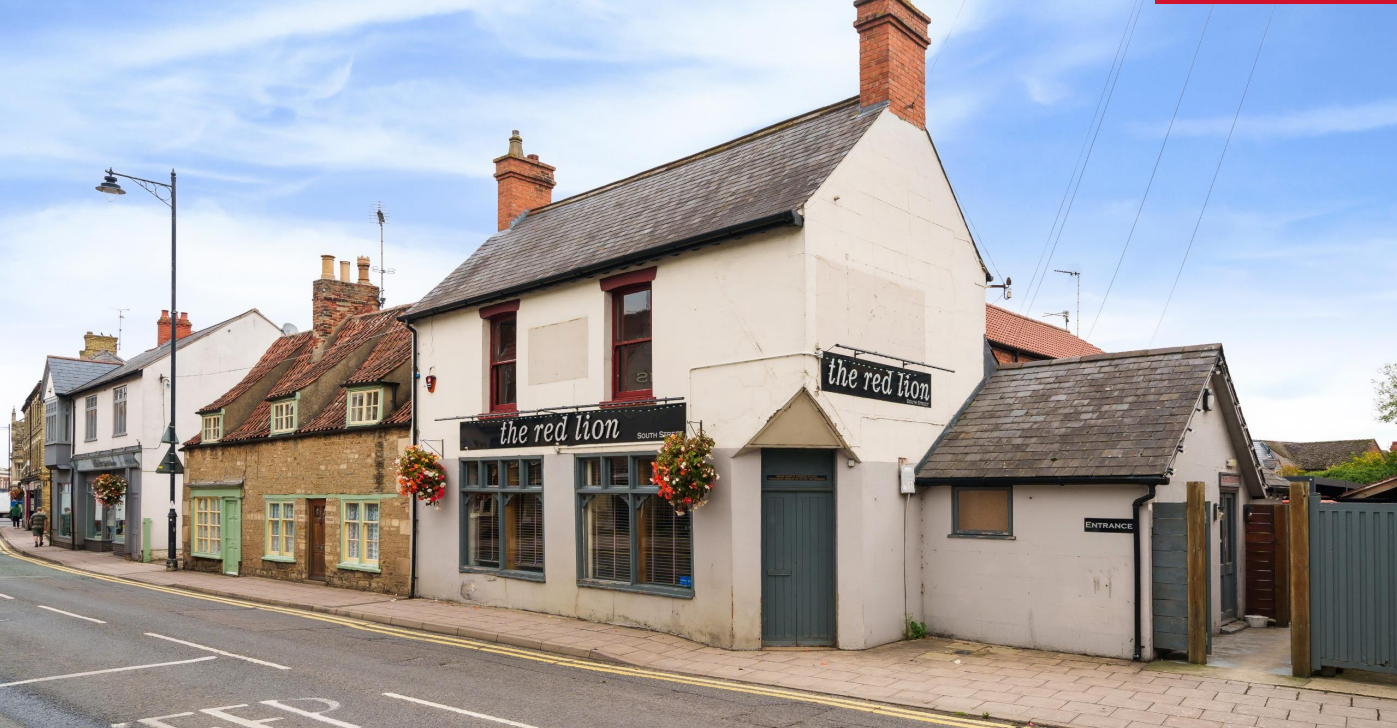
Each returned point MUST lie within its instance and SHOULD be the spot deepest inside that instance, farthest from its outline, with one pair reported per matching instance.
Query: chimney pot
(364, 270)
(525, 183)
(327, 266)
(892, 57)
(162, 328)
(344, 271)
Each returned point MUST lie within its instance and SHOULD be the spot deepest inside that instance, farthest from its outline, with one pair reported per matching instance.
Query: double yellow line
(863, 706)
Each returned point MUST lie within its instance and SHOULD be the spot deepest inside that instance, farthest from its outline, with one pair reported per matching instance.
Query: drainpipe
(1135, 514)
(412, 553)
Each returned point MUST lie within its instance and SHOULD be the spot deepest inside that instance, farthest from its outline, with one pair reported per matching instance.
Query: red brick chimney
(333, 301)
(892, 57)
(525, 182)
(162, 327)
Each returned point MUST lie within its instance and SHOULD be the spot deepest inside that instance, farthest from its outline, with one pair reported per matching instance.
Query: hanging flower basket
(16, 493)
(683, 472)
(421, 475)
(108, 488)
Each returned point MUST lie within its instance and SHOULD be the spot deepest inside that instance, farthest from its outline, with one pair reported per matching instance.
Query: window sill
(351, 425)
(359, 567)
(991, 536)
(651, 590)
(627, 400)
(497, 414)
(214, 557)
(280, 559)
(506, 573)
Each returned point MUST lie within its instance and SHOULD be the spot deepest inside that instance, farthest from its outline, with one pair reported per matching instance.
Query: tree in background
(1387, 394)
(1365, 468)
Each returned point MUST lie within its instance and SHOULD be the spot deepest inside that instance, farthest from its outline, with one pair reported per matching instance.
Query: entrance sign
(1108, 525)
(611, 424)
(861, 378)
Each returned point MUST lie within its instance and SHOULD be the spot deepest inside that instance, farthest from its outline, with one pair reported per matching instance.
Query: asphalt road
(79, 651)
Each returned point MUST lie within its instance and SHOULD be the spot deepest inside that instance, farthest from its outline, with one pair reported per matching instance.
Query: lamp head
(110, 186)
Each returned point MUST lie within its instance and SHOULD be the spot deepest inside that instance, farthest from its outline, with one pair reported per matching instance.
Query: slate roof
(150, 356)
(1320, 455)
(1080, 419)
(760, 178)
(68, 374)
(1007, 328)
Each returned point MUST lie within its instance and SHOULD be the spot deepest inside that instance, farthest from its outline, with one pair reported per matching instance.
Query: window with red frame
(502, 381)
(630, 345)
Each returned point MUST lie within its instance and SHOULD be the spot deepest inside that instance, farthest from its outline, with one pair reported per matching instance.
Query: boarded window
(983, 511)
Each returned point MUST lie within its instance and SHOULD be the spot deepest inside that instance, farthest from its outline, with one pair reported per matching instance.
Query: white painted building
(120, 417)
(736, 290)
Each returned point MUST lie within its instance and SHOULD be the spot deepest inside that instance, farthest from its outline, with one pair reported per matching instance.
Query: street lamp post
(170, 464)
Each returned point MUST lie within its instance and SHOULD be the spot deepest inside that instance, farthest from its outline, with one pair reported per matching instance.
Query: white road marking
(104, 672)
(70, 614)
(218, 651)
(239, 720)
(157, 722)
(313, 716)
(461, 711)
(6, 596)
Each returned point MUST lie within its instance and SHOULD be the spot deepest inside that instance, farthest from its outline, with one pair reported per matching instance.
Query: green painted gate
(798, 547)
(1353, 585)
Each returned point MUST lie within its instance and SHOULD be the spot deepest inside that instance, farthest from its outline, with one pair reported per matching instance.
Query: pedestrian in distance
(14, 514)
(39, 520)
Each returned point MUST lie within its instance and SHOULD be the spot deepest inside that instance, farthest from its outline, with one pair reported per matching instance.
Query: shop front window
(104, 522)
(65, 510)
(631, 538)
(503, 517)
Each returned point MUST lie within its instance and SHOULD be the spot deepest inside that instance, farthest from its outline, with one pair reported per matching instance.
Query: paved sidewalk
(946, 675)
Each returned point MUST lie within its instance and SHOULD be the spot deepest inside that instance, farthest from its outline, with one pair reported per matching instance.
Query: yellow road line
(856, 704)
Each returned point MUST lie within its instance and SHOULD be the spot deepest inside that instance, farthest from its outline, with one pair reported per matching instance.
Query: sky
(289, 121)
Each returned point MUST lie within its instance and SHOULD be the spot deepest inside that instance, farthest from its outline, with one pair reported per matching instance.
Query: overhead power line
(1069, 195)
(1236, 115)
(1188, 76)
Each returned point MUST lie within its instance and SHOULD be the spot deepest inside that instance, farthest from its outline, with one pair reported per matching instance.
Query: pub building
(810, 297)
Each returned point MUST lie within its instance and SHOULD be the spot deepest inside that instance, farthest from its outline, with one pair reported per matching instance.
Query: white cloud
(1299, 123)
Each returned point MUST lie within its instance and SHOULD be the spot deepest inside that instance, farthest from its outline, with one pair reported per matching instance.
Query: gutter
(1150, 480)
(412, 538)
(1139, 608)
(780, 219)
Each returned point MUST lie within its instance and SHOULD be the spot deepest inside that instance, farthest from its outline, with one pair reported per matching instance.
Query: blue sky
(288, 121)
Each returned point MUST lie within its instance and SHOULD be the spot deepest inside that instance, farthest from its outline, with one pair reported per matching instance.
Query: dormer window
(284, 416)
(213, 428)
(365, 407)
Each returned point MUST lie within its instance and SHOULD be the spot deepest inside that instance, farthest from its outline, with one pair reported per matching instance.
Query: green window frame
(502, 526)
(279, 540)
(359, 533)
(628, 537)
(982, 511)
(206, 536)
(283, 415)
(364, 406)
(212, 430)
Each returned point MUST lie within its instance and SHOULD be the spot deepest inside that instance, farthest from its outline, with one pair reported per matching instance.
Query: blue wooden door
(798, 547)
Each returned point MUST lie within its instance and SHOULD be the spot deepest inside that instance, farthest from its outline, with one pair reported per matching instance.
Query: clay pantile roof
(150, 356)
(282, 349)
(754, 181)
(1321, 455)
(392, 346)
(1082, 419)
(352, 334)
(68, 373)
(1009, 329)
(401, 417)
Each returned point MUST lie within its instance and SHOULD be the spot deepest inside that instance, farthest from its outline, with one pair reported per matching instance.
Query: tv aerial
(380, 216)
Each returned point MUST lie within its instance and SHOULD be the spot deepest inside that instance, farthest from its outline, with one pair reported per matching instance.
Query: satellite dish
(288, 329)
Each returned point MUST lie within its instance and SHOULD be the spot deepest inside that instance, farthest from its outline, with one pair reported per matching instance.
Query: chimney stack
(524, 182)
(892, 57)
(162, 327)
(333, 301)
(95, 344)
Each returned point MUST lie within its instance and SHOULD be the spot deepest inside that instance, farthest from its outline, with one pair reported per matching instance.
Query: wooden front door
(798, 548)
(315, 568)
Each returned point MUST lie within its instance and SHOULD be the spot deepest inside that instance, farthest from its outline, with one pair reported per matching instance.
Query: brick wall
(341, 463)
(94, 344)
(524, 182)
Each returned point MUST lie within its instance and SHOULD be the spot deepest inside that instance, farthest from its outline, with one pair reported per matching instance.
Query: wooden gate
(1268, 566)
